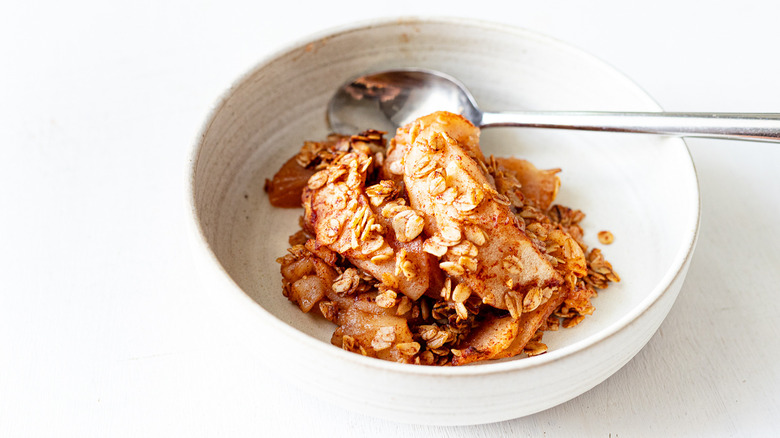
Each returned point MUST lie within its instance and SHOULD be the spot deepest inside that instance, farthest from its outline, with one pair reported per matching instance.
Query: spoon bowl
(389, 99)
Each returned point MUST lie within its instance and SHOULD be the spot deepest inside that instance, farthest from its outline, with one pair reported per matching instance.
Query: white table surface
(105, 331)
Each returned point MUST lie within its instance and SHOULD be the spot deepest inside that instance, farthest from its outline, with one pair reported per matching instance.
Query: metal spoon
(389, 99)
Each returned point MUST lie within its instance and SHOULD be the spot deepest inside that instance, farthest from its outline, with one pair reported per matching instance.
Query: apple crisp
(422, 250)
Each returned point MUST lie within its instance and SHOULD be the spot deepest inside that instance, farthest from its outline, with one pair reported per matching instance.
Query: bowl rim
(243, 301)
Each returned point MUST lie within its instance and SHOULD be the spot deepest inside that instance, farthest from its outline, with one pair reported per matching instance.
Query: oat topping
(386, 299)
(404, 306)
(421, 250)
(408, 348)
(435, 245)
(452, 268)
(451, 234)
(347, 282)
(407, 224)
(606, 237)
(475, 234)
(383, 339)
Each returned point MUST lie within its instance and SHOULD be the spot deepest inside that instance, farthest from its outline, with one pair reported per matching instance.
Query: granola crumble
(421, 250)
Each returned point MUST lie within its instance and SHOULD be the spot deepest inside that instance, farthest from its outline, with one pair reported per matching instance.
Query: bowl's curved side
(282, 102)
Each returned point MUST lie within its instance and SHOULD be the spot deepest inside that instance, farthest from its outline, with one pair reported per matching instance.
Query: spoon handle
(733, 126)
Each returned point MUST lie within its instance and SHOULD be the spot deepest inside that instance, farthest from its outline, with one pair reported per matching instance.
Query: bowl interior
(641, 188)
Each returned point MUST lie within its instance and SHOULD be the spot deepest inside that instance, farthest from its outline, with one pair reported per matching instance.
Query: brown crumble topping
(606, 237)
(396, 251)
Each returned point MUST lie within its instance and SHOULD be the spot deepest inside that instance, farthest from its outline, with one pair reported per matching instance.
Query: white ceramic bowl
(642, 188)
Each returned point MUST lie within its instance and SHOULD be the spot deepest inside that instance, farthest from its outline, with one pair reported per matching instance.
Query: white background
(105, 331)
